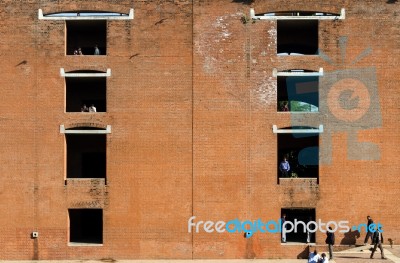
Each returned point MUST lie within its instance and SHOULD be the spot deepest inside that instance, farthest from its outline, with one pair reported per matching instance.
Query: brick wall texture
(191, 101)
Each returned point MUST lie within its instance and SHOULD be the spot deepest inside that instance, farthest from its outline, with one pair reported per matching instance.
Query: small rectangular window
(86, 226)
(297, 37)
(83, 36)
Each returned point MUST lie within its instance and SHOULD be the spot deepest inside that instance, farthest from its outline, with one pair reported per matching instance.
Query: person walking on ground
(369, 233)
(377, 240)
(330, 241)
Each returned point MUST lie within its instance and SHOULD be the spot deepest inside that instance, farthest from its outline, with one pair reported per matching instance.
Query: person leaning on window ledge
(92, 108)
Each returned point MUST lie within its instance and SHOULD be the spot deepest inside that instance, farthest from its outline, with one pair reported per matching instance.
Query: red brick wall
(191, 101)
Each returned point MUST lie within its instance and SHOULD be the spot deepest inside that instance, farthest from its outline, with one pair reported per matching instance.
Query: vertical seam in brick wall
(248, 120)
(35, 255)
(192, 44)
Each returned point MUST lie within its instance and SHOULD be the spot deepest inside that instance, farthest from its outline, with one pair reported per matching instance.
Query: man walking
(377, 240)
(369, 233)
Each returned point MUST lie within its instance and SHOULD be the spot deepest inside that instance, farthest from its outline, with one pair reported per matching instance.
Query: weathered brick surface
(191, 100)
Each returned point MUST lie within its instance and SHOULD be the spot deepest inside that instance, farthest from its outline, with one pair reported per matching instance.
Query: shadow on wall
(247, 2)
(304, 254)
(387, 2)
(350, 238)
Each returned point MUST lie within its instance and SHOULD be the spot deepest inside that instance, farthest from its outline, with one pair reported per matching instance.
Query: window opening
(304, 215)
(86, 226)
(298, 93)
(86, 37)
(297, 37)
(83, 93)
(86, 155)
(298, 155)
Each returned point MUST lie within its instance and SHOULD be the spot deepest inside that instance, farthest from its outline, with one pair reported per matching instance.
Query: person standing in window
(285, 106)
(284, 167)
(92, 108)
(96, 50)
(84, 108)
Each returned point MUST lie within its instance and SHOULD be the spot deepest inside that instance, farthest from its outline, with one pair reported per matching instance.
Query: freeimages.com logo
(276, 226)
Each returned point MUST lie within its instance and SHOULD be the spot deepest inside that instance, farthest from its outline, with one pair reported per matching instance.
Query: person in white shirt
(314, 257)
(92, 108)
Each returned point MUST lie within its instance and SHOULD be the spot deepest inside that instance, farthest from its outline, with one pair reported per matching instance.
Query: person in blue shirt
(284, 167)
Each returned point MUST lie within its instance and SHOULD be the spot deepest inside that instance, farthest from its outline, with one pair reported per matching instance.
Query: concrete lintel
(82, 75)
(316, 17)
(65, 131)
(319, 130)
(100, 17)
(276, 73)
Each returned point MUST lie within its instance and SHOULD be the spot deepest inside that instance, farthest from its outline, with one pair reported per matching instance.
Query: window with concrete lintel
(303, 217)
(85, 35)
(297, 31)
(86, 152)
(86, 30)
(85, 88)
(85, 226)
(298, 152)
(297, 37)
(298, 90)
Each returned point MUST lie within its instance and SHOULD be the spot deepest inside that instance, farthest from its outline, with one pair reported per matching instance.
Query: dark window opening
(86, 155)
(87, 91)
(297, 37)
(298, 93)
(301, 151)
(86, 226)
(86, 35)
(300, 214)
